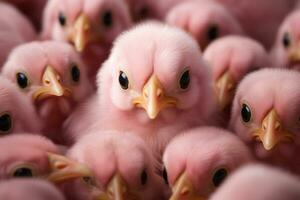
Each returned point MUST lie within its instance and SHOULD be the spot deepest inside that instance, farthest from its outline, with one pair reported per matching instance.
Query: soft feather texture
(205, 21)
(288, 33)
(200, 152)
(167, 52)
(260, 183)
(15, 31)
(14, 103)
(29, 189)
(262, 91)
(236, 55)
(32, 60)
(111, 152)
(22, 150)
(96, 51)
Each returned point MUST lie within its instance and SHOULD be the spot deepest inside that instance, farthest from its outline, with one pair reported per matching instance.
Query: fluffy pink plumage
(29, 189)
(231, 58)
(15, 29)
(205, 21)
(286, 50)
(27, 156)
(53, 77)
(145, 89)
(260, 183)
(265, 115)
(199, 160)
(17, 113)
(123, 166)
(91, 26)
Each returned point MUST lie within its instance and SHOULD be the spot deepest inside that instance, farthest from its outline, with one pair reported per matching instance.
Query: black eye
(75, 73)
(185, 80)
(22, 80)
(144, 177)
(286, 41)
(107, 18)
(123, 80)
(5, 123)
(246, 113)
(219, 176)
(143, 13)
(23, 172)
(213, 33)
(165, 176)
(62, 19)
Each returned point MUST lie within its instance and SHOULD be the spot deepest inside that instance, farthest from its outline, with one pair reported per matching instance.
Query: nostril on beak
(145, 95)
(60, 165)
(264, 126)
(185, 192)
(159, 93)
(277, 126)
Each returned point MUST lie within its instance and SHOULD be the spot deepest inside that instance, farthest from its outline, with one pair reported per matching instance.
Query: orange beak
(63, 169)
(184, 189)
(271, 132)
(117, 189)
(153, 98)
(225, 86)
(294, 53)
(52, 86)
(81, 32)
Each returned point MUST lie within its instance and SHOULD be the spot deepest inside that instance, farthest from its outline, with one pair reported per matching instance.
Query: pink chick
(33, 156)
(260, 183)
(29, 189)
(122, 165)
(265, 115)
(15, 29)
(90, 25)
(286, 50)
(205, 21)
(53, 77)
(31, 8)
(231, 58)
(17, 113)
(155, 90)
(199, 160)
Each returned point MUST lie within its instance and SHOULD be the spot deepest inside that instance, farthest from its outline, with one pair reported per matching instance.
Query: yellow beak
(184, 189)
(117, 189)
(63, 169)
(153, 98)
(294, 54)
(52, 86)
(225, 86)
(81, 32)
(271, 132)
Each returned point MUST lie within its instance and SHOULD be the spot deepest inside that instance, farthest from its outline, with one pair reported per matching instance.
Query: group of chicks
(150, 99)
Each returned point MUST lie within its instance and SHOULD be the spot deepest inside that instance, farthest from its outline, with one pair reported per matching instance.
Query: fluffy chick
(265, 115)
(122, 164)
(199, 160)
(53, 77)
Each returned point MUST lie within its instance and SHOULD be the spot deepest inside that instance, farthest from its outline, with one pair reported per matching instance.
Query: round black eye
(144, 177)
(185, 80)
(213, 33)
(23, 172)
(246, 113)
(286, 41)
(123, 80)
(219, 176)
(165, 176)
(22, 80)
(5, 123)
(75, 73)
(107, 18)
(62, 19)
